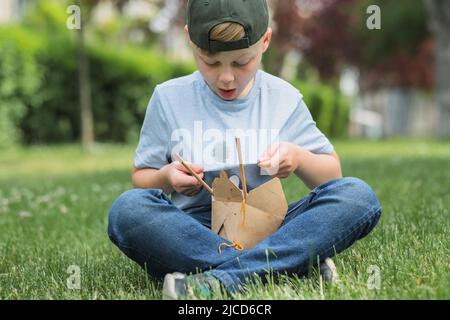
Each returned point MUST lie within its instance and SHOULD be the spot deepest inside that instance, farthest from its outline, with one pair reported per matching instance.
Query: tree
(439, 22)
(86, 115)
(400, 54)
(331, 43)
(286, 37)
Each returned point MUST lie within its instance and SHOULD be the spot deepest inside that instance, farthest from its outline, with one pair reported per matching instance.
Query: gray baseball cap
(203, 15)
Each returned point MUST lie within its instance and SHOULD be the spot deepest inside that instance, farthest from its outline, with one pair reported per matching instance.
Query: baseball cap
(203, 15)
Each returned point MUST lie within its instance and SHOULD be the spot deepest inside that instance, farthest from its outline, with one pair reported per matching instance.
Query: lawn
(53, 215)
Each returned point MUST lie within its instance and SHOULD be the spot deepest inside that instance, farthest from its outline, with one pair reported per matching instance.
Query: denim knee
(360, 191)
(122, 215)
(352, 192)
(360, 194)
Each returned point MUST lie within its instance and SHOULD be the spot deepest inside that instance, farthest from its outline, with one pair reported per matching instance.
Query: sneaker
(174, 287)
(179, 286)
(328, 271)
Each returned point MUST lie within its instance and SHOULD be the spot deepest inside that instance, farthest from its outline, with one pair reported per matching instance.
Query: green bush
(20, 79)
(39, 85)
(328, 107)
(123, 80)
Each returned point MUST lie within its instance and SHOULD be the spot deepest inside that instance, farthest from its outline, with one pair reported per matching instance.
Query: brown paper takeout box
(265, 209)
(244, 219)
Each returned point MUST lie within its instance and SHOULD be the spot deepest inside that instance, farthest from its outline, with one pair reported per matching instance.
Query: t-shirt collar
(233, 105)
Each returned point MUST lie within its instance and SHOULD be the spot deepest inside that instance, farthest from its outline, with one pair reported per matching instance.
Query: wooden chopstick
(241, 168)
(208, 188)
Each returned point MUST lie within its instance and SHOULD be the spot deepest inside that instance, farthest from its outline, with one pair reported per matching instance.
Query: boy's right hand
(182, 181)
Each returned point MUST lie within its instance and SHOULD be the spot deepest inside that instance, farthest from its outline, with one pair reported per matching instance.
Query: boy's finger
(197, 168)
(264, 163)
(179, 166)
(263, 160)
(201, 175)
(275, 161)
(269, 152)
(192, 181)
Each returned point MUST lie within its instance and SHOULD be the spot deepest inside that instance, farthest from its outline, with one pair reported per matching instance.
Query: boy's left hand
(280, 160)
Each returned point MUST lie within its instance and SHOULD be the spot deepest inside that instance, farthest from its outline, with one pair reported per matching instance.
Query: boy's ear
(186, 32)
(266, 39)
(188, 37)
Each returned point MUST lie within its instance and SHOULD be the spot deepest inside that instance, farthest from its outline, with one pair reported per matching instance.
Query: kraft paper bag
(265, 210)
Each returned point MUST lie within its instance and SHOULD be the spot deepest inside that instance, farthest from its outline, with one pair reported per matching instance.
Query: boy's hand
(280, 160)
(182, 181)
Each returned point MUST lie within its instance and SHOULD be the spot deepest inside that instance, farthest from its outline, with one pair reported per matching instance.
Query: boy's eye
(240, 64)
(237, 64)
(211, 63)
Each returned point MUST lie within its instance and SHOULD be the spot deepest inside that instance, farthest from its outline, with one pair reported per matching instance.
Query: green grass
(53, 214)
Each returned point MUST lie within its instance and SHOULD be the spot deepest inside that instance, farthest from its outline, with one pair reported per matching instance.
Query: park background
(72, 102)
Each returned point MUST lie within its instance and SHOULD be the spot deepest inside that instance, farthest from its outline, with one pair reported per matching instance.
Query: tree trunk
(86, 116)
(439, 17)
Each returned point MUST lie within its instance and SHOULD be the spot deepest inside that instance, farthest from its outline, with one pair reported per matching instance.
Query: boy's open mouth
(227, 93)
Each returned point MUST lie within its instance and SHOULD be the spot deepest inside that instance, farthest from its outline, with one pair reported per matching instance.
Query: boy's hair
(227, 32)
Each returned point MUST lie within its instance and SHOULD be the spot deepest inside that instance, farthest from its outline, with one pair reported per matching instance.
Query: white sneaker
(328, 271)
(179, 286)
(174, 287)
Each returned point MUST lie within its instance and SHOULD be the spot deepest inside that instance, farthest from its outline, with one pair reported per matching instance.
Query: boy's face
(230, 74)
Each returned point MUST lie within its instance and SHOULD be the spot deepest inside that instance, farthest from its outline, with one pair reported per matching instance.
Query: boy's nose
(226, 76)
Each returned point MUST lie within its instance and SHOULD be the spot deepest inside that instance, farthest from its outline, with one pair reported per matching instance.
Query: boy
(171, 238)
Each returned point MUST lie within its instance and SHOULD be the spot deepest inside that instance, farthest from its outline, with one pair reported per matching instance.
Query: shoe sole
(332, 269)
(169, 292)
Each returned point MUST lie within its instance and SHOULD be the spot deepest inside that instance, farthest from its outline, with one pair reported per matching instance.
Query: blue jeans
(153, 232)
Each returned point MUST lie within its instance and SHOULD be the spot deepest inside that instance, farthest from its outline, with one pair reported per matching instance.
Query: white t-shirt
(185, 116)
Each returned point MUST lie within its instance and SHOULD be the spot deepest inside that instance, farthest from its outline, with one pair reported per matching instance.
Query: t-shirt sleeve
(301, 130)
(152, 150)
